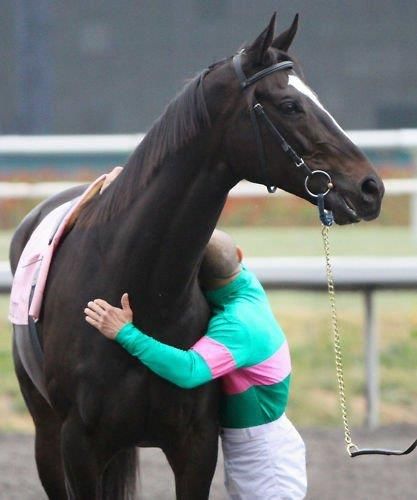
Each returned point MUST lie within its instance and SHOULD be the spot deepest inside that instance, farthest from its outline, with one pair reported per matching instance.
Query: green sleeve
(187, 369)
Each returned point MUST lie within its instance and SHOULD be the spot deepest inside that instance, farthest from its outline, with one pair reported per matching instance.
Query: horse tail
(120, 476)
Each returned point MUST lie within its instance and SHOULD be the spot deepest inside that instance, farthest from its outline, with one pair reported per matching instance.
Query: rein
(257, 111)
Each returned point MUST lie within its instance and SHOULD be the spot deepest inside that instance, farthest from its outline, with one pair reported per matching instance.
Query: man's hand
(106, 318)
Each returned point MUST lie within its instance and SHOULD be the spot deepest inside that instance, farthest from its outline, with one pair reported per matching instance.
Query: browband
(245, 82)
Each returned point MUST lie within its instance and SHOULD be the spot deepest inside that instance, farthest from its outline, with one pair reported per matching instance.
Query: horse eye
(289, 107)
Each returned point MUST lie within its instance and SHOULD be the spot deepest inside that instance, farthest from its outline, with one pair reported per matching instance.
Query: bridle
(256, 110)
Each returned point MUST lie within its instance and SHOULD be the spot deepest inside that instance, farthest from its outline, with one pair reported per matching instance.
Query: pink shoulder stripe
(216, 355)
(271, 371)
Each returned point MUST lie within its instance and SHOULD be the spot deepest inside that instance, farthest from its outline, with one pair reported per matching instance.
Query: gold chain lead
(337, 342)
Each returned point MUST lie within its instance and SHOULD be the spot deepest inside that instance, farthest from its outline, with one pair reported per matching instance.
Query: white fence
(74, 145)
(126, 143)
(393, 187)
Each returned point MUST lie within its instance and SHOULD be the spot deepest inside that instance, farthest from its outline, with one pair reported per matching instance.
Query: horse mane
(184, 117)
(182, 120)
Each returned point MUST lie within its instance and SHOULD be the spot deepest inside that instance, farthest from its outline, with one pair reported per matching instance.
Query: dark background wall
(85, 66)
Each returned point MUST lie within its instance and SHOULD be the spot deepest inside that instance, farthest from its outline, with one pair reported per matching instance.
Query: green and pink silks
(244, 345)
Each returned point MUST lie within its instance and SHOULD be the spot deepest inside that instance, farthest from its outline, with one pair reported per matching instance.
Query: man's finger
(125, 302)
(94, 306)
(92, 321)
(91, 314)
(102, 303)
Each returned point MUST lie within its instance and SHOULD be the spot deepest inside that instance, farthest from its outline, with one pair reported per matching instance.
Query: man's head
(221, 262)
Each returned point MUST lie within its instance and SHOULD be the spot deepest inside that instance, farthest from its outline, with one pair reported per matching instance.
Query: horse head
(274, 122)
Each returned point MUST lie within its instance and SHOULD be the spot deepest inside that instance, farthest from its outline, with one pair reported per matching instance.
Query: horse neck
(170, 222)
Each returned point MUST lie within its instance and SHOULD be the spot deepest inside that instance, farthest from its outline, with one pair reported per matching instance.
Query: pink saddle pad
(34, 263)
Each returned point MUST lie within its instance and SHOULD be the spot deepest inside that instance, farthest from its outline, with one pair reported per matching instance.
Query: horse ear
(260, 46)
(284, 40)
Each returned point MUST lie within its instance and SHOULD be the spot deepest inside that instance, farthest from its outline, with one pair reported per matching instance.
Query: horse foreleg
(193, 462)
(96, 467)
(81, 464)
(47, 437)
(49, 460)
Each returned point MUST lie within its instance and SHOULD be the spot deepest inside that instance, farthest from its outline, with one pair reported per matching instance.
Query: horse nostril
(370, 187)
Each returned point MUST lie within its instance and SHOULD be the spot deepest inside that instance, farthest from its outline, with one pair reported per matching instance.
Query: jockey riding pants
(266, 462)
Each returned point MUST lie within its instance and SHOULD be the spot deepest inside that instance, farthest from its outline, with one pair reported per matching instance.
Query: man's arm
(187, 369)
(207, 360)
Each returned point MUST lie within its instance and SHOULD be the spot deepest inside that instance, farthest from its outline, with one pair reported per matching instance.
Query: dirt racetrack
(332, 474)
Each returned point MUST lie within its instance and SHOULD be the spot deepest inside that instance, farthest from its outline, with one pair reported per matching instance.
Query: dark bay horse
(146, 235)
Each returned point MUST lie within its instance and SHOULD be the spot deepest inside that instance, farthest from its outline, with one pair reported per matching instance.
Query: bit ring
(329, 184)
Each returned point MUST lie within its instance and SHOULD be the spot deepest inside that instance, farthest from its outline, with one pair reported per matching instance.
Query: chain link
(337, 342)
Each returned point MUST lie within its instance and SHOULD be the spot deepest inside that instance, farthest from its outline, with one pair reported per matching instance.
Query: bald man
(264, 455)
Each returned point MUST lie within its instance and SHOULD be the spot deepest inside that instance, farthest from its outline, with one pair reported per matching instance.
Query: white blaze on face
(297, 83)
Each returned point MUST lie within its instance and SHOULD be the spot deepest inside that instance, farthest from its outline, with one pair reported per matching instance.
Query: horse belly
(173, 410)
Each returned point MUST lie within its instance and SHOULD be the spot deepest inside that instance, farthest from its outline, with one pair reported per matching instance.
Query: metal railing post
(413, 203)
(371, 361)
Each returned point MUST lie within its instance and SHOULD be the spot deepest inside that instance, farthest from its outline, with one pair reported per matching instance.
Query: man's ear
(239, 253)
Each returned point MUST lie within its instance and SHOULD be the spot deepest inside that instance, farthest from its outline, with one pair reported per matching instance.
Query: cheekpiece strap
(256, 109)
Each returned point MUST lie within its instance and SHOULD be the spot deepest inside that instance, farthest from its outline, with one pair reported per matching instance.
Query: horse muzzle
(363, 203)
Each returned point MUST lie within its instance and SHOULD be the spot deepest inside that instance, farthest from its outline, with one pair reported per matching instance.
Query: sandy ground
(332, 474)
